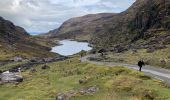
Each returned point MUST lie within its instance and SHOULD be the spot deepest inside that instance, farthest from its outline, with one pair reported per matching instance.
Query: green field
(114, 83)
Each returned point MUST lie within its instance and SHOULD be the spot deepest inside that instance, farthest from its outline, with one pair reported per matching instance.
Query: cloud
(44, 15)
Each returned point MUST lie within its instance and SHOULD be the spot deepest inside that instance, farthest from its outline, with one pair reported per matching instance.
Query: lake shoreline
(70, 47)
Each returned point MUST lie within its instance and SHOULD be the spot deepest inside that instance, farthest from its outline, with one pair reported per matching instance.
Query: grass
(11, 65)
(114, 83)
(159, 58)
(30, 49)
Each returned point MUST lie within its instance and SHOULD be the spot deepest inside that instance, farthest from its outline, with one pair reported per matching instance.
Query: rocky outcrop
(9, 33)
(145, 21)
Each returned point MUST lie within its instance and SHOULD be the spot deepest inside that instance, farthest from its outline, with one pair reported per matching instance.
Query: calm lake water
(69, 47)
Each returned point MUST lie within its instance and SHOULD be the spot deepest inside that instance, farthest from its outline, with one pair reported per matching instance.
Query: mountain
(81, 27)
(145, 24)
(14, 40)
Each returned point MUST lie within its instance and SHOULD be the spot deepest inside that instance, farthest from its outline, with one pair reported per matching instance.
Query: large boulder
(11, 77)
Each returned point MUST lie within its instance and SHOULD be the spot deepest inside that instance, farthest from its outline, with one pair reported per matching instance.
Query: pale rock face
(8, 77)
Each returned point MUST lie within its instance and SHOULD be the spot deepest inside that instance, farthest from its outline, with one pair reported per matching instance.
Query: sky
(40, 16)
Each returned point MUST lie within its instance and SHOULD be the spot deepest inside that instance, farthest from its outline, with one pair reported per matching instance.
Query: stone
(17, 59)
(14, 70)
(102, 51)
(163, 62)
(150, 50)
(85, 91)
(93, 51)
(134, 50)
(48, 59)
(45, 67)
(119, 49)
(11, 77)
(89, 90)
(81, 81)
(33, 70)
(1, 71)
(61, 96)
(35, 60)
(84, 80)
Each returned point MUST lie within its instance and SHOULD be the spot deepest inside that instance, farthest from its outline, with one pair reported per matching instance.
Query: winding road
(155, 72)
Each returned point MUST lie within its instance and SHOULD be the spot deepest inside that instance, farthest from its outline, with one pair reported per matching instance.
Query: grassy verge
(114, 83)
(159, 58)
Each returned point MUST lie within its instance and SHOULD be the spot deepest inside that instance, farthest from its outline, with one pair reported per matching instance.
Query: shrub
(145, 93)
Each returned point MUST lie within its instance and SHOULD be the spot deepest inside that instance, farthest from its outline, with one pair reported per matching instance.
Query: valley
(91, 57)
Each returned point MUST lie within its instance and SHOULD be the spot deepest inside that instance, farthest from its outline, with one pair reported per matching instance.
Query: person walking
(140, 64)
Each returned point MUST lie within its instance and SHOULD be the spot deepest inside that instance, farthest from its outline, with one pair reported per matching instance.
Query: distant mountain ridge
(137, 27)
(80, 27)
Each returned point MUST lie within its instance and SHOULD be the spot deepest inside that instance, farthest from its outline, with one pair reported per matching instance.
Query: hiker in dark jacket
(140, 64)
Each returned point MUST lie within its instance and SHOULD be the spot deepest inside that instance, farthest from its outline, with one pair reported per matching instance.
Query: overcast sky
(39, 16)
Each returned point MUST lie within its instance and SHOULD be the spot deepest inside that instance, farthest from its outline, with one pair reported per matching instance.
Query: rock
(163, 62)
(134, 51)
(48, 59)
(84, 80)
(1, 71)
(45, 67)
(102, 51)
(65, 96)
(89, 90)
(161, 46)
(13, 70)
(33, 70)
(61, 96)
(93, 51)
(86, 91)
(17, 59)
(11, 77)
(150, 50)
(81, 81)
(119, 49)
(36, 60)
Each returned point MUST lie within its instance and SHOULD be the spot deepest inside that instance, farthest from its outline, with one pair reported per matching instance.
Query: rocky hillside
(144, 24)
(14, 40)
(81, 27)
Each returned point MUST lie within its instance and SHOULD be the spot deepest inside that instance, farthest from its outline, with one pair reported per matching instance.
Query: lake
(69, 47)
